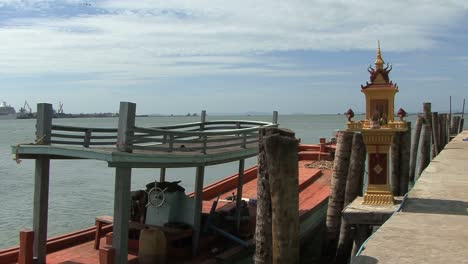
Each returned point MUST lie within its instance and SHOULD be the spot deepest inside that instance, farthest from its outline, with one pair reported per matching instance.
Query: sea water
(80, 190)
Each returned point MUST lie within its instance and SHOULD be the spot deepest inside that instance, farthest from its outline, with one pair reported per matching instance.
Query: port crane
(60, 109)
(26, 109)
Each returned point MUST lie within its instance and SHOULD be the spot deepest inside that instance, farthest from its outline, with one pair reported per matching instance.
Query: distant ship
(7, 111)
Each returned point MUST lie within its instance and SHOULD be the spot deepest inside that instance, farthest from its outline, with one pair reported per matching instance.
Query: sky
(174, 56)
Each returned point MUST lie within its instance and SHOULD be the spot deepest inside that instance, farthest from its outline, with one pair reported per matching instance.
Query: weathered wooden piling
(435, 134)
(426, 139)
(281, 150)
(263, 229)
(447, 129)
(338, 185)
(462, 120)
(425, 149)
(455, 125)
(405, 153)
(443, 130)
(415, 147)
(427, 112)
(395, 164)
(354, 187)
(363, 231)
(450, 111)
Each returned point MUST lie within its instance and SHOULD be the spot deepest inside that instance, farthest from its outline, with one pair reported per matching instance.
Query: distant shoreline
(112, 115)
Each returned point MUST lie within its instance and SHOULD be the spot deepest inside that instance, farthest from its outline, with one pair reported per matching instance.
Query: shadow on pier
(435, 206)
(363, 260)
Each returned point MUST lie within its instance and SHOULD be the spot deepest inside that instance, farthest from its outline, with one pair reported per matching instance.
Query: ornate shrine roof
(379, 77)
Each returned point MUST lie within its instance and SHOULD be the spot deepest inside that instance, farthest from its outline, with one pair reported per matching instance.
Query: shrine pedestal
(363, 217)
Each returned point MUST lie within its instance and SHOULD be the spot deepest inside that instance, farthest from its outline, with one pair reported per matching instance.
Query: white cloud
(134, 40)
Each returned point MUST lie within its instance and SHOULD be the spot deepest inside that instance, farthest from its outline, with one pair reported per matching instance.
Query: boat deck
(81, 254)
(314, 187)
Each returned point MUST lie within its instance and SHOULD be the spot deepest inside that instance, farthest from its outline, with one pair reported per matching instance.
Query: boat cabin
(164, 205)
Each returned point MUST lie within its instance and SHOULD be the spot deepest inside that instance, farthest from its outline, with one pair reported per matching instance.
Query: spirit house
(378, 130)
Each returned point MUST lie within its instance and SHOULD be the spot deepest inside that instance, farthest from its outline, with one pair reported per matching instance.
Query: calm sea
(81, 190)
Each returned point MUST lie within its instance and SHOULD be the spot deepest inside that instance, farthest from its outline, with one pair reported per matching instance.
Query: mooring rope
(38, 141)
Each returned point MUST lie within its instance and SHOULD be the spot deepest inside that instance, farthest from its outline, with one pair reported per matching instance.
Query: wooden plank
(183, 161)
(83, 129)
(185, 133)
(242, 122)
(212, 139)
(67, 142)
(57, 135)
(126, 124)
(227, 127)
(81, 143)
(104, 137)
(65, 151)
(102, 143)
(200, 174)
(121, 214)
(41, 207)
(178, 126)
(142, 159)
(189, 147)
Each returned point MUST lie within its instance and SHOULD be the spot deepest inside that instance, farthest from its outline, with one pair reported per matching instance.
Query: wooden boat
(216, 229)
(314, 187)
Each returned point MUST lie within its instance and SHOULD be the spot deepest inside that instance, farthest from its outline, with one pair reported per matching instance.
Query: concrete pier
(433, 224)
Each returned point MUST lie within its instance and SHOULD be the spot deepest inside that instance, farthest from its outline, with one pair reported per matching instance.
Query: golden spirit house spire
(379, 62)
